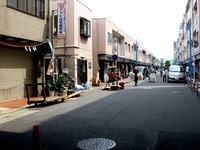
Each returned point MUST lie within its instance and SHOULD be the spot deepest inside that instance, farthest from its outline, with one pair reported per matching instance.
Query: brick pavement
(14, 103)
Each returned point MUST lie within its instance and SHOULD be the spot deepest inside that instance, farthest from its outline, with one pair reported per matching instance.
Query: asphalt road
(150, 116)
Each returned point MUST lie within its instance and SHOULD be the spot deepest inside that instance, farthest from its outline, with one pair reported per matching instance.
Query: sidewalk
(14, 103)
(14, 109)
(23, 102)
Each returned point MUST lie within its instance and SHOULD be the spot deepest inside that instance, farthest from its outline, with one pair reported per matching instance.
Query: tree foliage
(167, 64)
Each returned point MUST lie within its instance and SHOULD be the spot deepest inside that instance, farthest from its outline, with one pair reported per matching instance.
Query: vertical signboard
(61, 20)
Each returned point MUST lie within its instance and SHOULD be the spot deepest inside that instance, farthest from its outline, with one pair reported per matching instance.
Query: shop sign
(61, 20)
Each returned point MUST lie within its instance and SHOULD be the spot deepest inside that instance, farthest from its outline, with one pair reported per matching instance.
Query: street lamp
(115, 53)
(188, 27)
(136, 53)
(137, 42)
(179, 62)
(151, 61)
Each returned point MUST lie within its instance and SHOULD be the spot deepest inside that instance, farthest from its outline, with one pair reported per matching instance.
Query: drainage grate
(96, 144)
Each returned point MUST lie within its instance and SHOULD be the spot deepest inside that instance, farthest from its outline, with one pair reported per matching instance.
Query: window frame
(129, 48)
(110, 39)
(85, 27)
(26, 9)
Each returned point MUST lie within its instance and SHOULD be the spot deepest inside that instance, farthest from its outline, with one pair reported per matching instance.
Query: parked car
(176, 73)
(143, 71)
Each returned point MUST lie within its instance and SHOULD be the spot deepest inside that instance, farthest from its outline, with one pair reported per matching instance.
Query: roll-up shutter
(16, 70)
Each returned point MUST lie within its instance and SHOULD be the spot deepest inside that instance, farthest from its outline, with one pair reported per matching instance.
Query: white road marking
(9, 114)
(150, 87)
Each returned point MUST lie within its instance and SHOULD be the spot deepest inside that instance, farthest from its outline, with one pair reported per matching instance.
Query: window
(32, 7)
(134, 45)
(22, 5)
(122, 51)
(88, 29)
(40, 8)
(125, 46)
(12, 3)
(109, 38)
(85, 27)
(131, 49)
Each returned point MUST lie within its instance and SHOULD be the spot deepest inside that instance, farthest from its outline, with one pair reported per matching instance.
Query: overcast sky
(154, 22)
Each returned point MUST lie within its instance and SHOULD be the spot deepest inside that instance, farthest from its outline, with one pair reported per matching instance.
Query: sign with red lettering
(61, 20)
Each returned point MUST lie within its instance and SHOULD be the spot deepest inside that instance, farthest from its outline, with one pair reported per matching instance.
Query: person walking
(164, 75)
(187, 70)
(161, 73)
(135, 71)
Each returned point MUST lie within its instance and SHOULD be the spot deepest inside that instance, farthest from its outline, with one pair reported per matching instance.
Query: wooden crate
(114, 87)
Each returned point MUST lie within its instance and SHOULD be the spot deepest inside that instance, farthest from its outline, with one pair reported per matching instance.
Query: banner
(61, 20)
(50, 70)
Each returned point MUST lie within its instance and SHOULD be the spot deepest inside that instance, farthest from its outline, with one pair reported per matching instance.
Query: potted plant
(56, 90)
(61, 84)
(51, 87)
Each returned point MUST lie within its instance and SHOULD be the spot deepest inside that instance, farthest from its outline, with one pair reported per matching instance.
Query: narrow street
(67, 71)
(150, 116)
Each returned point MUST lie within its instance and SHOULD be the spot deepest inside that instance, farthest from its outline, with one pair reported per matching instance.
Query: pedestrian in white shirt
(187, 71)
(164, 75)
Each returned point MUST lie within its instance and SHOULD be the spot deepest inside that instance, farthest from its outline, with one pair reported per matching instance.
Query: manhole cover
(96, 144)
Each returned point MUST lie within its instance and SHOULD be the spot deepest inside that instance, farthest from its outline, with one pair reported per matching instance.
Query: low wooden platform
(77, 93)
(41, 99)
(45, 100)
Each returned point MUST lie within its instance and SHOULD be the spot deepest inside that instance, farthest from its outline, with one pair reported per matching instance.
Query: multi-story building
(23, 34)
(72, 38)
(187, 45)
(109, 41)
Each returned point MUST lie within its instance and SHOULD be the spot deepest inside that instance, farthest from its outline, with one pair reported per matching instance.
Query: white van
(176, 73)
(143, 70)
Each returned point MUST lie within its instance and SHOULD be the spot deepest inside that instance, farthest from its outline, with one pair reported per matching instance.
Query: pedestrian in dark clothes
(135, 71)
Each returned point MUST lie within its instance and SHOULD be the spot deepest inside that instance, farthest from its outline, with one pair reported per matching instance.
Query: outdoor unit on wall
(85, 27)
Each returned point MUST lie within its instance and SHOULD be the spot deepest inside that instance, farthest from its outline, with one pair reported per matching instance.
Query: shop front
(19, 65)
